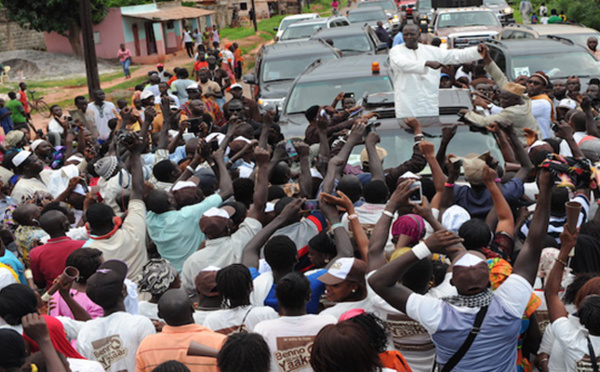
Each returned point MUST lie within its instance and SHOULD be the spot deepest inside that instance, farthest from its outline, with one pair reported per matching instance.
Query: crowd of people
(180, 231)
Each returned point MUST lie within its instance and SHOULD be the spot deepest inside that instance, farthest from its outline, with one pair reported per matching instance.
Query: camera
(126, 138)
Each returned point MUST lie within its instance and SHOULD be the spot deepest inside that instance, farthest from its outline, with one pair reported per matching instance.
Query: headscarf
(157, 276)
(571, 172)
(58, 337)
(454, 217)
(411, 225)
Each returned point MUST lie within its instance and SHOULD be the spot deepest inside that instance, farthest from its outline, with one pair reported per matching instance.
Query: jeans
(125, 64)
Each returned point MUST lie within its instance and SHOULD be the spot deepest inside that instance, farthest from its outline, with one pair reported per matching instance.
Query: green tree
(585, 12)
(61, 16)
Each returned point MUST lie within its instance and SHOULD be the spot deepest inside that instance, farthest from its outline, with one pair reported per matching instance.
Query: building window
(96, 37)
(243, 6)
(170, 25)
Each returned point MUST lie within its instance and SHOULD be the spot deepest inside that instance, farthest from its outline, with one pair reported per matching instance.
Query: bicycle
(39, 104)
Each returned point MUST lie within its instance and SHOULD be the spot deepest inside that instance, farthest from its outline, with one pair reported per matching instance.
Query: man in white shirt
(451, 320)
(114, 338)
(416, 73)
(103, 111)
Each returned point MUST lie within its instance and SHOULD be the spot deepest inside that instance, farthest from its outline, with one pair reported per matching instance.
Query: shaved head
(54, 223)
(176, 308)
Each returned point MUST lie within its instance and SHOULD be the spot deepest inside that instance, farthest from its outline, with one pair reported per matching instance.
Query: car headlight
(271, 101)
(395, 16)
(508, 10)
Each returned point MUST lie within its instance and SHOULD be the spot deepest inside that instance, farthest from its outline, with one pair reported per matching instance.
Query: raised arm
(305, 178)
(385, 280)
(267, 121)
(590, 124)
(251, 253)
(503, 143)
(375, 165)
(448, 132)
(341, 237)
(565, 131)
(556, 308)
(261, 156)
(34, 326)
(520, 152)
(399, 198)
(506, 221)
(135, 145)
(527, 261)
(225, 184)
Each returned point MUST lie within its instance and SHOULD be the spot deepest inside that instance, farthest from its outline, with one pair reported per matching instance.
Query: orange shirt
(171, 80)
(173, 343)
(238, 55)
(199, 65)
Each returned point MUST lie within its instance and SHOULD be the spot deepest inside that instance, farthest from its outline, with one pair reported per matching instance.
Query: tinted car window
(580, 39)
(457, 19)
(556, 65)
(289, 69)
(352, 43)
(300, 32)
(304, 95)
(424, 5)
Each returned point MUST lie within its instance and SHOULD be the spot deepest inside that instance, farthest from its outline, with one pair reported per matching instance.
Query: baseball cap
(473, 167)
(567, 103)
(214, 221)
(345, 269)
(105, 285)
(206, 282)
(192, 86)
(236, 85)
(146, 94)
(381, 153)
(159, 65)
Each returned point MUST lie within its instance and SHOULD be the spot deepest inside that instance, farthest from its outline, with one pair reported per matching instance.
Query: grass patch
(516, 14)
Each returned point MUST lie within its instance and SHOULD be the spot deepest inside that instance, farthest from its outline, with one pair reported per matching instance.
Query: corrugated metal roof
(172, 13)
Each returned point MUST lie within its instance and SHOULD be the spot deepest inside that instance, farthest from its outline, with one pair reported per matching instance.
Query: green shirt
(554, 19)
(16, 111)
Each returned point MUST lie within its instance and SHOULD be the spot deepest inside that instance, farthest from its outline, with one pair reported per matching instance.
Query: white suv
(303, 30)
(285, 22)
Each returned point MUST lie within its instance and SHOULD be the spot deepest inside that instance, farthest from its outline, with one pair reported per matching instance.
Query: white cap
(146, 94)
(216, 212)
(236, 85)
(410, 175)
(241, 138)
(469, 259)
(35, 144)
(192, 86)
(21, 157)
(567, 103)
(183, 184)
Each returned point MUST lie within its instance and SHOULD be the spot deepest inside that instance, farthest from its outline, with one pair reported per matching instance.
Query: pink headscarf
(411, 225)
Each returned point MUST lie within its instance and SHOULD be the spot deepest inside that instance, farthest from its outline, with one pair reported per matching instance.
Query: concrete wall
(13, 37)
(110, 32)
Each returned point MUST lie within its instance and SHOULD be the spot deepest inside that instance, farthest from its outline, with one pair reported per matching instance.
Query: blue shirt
(177, 234)
(178, 155)
(398, 39)
(9, 259)
(317, 289)
(478, 202)
(6, 123)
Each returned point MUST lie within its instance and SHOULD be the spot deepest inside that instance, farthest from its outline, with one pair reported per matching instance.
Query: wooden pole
(254, 17)
(89, 48)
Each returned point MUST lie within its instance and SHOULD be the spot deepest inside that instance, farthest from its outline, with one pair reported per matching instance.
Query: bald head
(55, 223)
(176, 308)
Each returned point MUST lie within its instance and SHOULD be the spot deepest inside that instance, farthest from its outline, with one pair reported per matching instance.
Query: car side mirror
(249, 79)
(430, 29)
(382, 46)
(275, 29)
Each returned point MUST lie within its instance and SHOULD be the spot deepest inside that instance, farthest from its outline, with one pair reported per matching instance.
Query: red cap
(160, 65)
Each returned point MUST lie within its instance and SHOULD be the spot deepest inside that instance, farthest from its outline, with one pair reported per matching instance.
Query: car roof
(316, 21)
(351, 66)
(536, 46)
(554, 29)
(460, 10)
(294, 48)
(352, 29)
(300, 16)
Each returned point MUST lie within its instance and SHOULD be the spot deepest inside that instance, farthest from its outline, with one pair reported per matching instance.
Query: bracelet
(542, 361)
(335, 226)
(560, 261)
(192, 170)
(421, 251)
(388, 213)
(498, 180)
(28, 274)
(352, 216)
(448, 184)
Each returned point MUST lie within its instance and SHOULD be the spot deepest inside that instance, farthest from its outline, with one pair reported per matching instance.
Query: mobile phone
(554, 126)
(290, 148)
(195, 125)
(311, 205)
(417, 196)
(371, 127)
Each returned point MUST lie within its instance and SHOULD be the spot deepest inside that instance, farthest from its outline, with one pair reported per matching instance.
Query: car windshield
(300, 32)
(286, 22)
(381, 4)
(376, 14)
(557, 65)
(399, 145)
(289, 69)
(305, 95)
(462, 19)
(580, 39)
(352, 43)
(424, 5)
(494, 2)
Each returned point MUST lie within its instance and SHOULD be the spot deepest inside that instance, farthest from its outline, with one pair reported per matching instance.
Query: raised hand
(489, 175)
(427, 148)
(442, 239)
(342, 201)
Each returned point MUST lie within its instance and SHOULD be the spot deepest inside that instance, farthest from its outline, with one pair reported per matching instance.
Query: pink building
(149, 31)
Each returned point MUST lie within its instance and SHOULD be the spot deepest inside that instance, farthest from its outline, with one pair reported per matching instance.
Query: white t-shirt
(230, 320)
(102, 115)
(573, 342)
(290, 340)
(54, 126)
(113, 340)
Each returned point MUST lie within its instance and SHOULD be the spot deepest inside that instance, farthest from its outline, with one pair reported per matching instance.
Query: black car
(559, 58)
(279, 64)
(371, 16)
(322, 81)
(353, 40)
(389, 6)
(398, 140)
